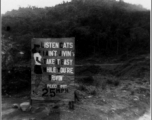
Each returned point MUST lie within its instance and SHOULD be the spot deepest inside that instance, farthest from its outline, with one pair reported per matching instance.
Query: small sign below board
(52, 71)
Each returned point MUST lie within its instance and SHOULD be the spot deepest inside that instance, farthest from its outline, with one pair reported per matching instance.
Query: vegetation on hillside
(101, 27)
(106, 31)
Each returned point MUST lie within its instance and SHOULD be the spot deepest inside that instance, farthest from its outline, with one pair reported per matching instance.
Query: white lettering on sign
(51, 69)
(66, 53)
(50, 61)
(57, 77)
(51, 45)
(58, 61)
(64, 61)
(52, 53)
(63, 86)
(51, 86)
(67, 45)
(68, 62)
(66, 70)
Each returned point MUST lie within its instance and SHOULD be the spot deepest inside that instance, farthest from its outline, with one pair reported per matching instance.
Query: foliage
(20, 80)
(103, 27)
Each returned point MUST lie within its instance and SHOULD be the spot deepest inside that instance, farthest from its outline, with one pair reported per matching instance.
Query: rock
(25, 106)
(124, 91)
(103, 100)
(146, 116)
(80, 94)
(136, 98)
(47, 110)
(15, 105)
(89, 96)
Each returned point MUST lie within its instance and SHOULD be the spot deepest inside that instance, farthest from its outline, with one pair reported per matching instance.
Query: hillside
(106, 28)
(112, 71)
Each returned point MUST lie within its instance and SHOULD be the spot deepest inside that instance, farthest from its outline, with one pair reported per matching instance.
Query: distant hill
(103, 28)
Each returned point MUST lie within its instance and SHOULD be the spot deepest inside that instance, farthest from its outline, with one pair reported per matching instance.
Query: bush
(16, 80)
(88, 89)
(91, 84)
(104, 81)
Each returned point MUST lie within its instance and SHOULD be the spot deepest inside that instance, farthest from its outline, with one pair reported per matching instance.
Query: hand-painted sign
(52, 76)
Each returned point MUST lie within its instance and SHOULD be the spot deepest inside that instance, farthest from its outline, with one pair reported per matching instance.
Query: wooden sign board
(52, 71)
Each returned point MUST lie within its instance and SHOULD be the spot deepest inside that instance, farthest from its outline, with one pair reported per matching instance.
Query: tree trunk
(117, 47)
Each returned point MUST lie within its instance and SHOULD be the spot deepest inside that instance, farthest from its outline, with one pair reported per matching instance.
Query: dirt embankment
(106, 93)
(138, 67)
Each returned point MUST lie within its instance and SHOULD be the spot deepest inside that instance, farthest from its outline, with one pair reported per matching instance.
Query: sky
(8, 5)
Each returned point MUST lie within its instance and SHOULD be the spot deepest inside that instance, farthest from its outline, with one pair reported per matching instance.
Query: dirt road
(110, 104)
